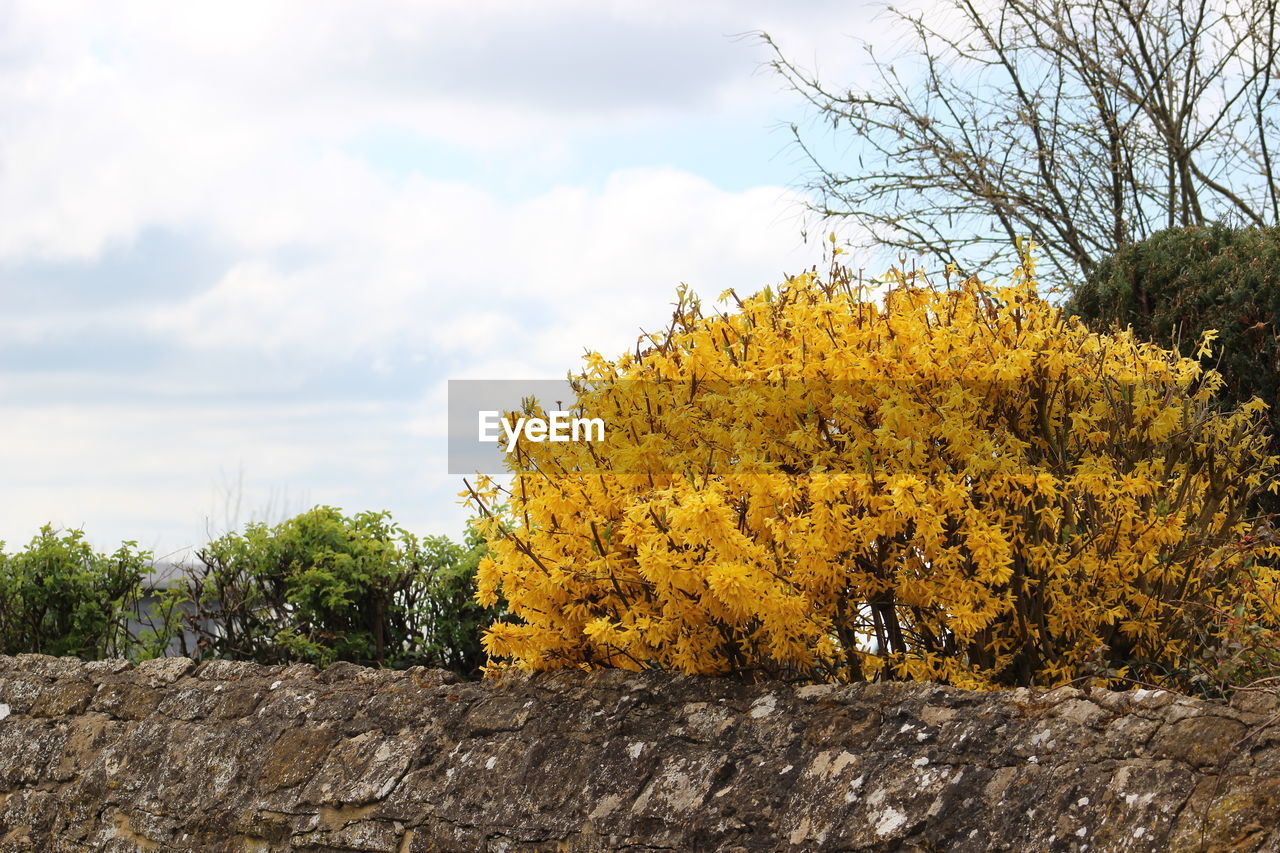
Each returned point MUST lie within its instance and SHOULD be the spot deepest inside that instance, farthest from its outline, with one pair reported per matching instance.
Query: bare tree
(1083, 124)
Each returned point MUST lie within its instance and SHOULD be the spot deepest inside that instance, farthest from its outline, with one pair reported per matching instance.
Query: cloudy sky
(243, 246)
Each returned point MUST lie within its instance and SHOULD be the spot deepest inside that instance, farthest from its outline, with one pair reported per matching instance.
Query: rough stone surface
(233, 756)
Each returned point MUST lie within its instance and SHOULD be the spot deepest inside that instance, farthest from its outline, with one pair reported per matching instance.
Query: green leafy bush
(322, 587)
(60, 597)
(452, 621)
(1179, 283)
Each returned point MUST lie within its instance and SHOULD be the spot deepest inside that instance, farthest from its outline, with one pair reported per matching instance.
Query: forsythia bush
(931, 482)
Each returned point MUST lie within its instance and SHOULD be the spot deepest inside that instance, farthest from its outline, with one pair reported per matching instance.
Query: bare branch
(1083, 125)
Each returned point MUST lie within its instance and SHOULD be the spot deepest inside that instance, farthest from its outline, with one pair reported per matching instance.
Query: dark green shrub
(1179, 283)
(60, 597)
(322, 587)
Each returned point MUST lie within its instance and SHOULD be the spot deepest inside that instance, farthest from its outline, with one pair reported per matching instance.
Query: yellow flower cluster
(932, 482)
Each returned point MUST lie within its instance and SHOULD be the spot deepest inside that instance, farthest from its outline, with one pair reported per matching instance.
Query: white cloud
(441, 269)
(233, 125)
(122, 115)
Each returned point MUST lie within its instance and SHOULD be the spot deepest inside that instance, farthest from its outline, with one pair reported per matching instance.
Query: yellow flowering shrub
(831, 481)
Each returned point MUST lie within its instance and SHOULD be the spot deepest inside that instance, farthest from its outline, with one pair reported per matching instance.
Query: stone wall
(230, 756)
